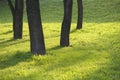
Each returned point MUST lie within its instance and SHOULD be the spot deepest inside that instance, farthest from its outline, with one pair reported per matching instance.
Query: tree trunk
(35, 27)
(65, 30)
(80, 14)
(17, 13)
(11, 7)
(18, 19)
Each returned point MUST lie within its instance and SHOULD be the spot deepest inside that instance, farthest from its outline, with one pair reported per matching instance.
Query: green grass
(94, 53)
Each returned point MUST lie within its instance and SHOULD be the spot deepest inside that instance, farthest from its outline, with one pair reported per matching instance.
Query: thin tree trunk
(65, 30)
(17, 13)
(11, 7)
(80, 14)
(18, 19)
(35, 27)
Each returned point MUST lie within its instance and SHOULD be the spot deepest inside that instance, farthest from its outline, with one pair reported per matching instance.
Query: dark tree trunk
(11, 7)
(35, 27)
(80, 14)
(18, 19)
(65, 30)
(17, 13)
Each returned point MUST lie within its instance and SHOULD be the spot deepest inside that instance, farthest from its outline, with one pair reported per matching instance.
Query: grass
(94, 53)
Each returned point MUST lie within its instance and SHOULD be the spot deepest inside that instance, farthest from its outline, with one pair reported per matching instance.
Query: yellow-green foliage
(94, 53)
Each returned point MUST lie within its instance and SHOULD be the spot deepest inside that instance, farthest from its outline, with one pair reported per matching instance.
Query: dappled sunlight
(10, 61)
(93, 53)
(77, 66)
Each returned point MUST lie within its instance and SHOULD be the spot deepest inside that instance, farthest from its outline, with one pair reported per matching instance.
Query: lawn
(94, 53)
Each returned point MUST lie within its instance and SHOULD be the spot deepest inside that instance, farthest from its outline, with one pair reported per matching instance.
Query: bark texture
(65, 29)
(17, 13)
(80, 14)
(35, 27)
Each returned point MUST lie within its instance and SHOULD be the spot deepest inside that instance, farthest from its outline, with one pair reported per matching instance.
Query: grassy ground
(94, 53)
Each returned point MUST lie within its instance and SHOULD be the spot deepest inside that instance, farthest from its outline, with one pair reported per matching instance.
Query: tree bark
(17, 13)
(65, 29)
(11, 7)
(35, 27)
(18, 19)
(80, 14)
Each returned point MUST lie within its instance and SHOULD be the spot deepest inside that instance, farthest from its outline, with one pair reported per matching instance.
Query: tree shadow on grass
(55, 48)
(11, 42)
(5, 33)
(105, 70)
(7, 41)
(111, 47)
(69, 60)
(13, 60)
(72, 31)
